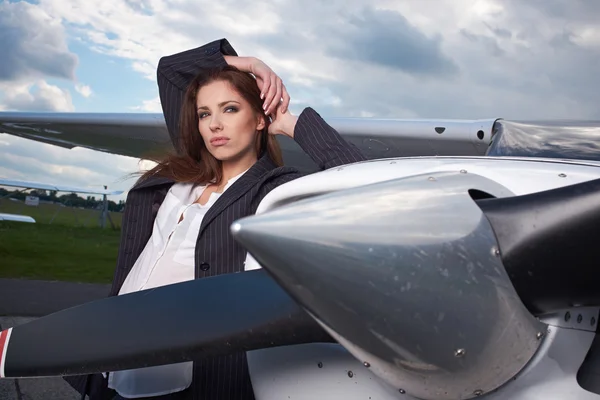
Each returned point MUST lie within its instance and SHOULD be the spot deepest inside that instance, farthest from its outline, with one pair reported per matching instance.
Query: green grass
(63, 250)
(69, 216)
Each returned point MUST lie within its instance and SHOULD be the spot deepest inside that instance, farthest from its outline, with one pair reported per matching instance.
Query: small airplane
(458, 262)
(26, 185)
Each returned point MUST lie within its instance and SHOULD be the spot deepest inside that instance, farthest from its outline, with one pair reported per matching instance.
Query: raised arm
(323, 143)
(176, 71)
(317, 138)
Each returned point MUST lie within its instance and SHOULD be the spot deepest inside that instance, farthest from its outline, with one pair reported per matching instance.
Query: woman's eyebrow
(220, 104)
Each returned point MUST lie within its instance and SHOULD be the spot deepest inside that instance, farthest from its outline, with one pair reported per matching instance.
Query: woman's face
(227, 122)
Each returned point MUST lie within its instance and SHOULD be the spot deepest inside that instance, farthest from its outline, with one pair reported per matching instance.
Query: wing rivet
(431, 178)
(350, 374)
(459, 352)
(593, 321)
(463, 171)
(320, 365)
(402, 391)
(567, 316)
(366, 364)
(539, 335)
(562, 175)
(579, 318)
(478, 392)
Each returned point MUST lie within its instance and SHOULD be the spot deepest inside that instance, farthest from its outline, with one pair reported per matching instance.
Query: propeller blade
(175, 323)
(405, 275)
(548, 245)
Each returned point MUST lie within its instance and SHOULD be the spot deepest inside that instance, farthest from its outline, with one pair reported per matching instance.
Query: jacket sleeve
(175, 72)
(323, 143)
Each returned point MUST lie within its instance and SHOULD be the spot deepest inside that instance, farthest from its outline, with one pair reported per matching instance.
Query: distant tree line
(71, 199)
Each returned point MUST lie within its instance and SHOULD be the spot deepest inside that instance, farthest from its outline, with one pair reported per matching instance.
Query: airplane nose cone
(405, 275)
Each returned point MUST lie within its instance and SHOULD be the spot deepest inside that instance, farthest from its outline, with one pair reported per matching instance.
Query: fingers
(271, 96)
(277, 98)
(286, 99)
(266, 83)
(273, 92)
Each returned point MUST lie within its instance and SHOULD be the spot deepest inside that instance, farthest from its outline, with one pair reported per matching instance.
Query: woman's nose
(215, 122)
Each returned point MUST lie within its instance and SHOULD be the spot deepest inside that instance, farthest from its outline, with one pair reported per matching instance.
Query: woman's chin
(223, 154)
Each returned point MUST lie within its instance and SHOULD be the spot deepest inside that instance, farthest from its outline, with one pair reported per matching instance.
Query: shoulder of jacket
(279, 173)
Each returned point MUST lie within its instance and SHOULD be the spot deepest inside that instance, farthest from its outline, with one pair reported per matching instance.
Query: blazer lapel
(238, 189)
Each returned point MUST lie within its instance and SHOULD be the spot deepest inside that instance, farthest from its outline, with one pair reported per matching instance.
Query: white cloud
(503, 53)
(83, 90)
(145, 68)
(152, 106)
(34, 49)
(38, 96)
(33, 44)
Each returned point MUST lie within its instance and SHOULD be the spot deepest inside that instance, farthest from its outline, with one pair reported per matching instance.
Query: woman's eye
(233, 109)
(202, 115)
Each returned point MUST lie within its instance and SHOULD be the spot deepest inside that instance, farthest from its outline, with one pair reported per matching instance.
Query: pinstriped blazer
(224, 377)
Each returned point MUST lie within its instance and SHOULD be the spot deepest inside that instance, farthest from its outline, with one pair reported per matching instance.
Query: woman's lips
(219, 141)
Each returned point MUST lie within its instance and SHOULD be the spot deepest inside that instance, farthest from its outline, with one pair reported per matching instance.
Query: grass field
(72, 248)
(45, 213)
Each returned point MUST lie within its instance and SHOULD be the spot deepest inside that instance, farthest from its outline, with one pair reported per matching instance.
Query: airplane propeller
(548, 244)
(169, 324)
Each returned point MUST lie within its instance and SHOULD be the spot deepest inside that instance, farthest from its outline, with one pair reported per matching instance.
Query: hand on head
(271, 87)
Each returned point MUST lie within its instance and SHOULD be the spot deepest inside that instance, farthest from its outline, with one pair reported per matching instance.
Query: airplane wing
(139, 134)
(16, 217)
(58, 188)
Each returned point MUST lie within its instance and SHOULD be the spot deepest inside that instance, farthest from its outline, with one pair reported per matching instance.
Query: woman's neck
(233, 168)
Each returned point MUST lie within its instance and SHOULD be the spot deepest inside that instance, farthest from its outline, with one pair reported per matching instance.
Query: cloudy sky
(384, 58)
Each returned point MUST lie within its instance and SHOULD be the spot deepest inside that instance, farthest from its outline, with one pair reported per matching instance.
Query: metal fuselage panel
(519, 175)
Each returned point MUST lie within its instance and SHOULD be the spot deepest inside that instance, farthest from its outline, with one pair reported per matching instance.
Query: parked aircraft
(26, 185)
(458, 262)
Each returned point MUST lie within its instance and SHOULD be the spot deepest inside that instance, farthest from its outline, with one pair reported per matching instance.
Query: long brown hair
(193, 162)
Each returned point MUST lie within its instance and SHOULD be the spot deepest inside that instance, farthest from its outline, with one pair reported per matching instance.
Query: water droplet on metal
(402, 391)
(393, 162)
(478, 392)
(459, 352)
(463, 171)
(431, 178)
(562, 175)
(350, 374)
(495, 251)
(539, 335)
(320, 365)
(366, 364)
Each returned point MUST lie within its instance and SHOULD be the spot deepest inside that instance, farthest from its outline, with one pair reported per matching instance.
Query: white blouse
(168, 258)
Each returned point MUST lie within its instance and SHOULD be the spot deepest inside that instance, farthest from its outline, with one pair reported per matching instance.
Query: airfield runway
(24, 300)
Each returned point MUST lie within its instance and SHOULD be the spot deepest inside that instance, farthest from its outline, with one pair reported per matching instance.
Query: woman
(177, 216)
